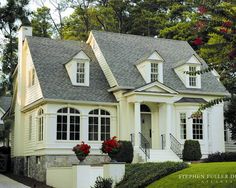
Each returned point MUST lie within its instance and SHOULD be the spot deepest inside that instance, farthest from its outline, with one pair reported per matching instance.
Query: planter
(112, 156)
(80, 158)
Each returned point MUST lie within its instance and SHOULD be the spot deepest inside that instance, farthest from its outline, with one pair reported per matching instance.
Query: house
(132, 87)
(5, 102)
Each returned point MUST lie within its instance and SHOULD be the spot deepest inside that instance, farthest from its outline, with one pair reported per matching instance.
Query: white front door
(146, 127)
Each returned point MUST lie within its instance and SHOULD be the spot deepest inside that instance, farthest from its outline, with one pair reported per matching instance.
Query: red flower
(227, 24)
(202, 9)
(223, 30)
(110, 146)
(198, 41)
(81, 149)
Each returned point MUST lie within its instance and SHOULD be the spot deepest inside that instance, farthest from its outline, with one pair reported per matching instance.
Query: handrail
(163, 141)
(132, 138)
(144, 145)
(175, 146)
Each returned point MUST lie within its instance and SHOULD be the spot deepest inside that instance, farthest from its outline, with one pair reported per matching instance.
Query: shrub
(5, 150)
(143, 174)
(103, 183)
(220, 157)
(192, 150)
(126, 153)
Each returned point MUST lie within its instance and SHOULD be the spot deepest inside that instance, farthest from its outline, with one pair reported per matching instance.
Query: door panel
(146, 127)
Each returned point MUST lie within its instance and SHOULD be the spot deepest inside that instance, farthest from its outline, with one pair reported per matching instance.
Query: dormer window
(151, 67)
(80, 73)
(78, 69)
(192, 77)
(154, 72)
(186, 70)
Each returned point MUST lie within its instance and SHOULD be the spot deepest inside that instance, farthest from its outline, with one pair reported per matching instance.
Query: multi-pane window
(154, 72)
(68, 124)
(80, 75)
(192, 76)
(40, 125)
(197, 127)
(99, 125)
(183, 125)
(31, 80)
(30, 126)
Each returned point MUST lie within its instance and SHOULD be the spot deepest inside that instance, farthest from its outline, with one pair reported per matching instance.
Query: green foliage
(103, 183)
(220, 157)
(191, 151)
(41, 22)
(141, 175)
(230, 117)
(126, 153)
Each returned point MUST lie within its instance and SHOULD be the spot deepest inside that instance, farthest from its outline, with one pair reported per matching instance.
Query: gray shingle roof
(122, 51)
(49, 57)
(5, 102)
(191, 100)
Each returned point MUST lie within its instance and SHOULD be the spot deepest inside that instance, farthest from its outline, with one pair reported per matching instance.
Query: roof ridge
(133, 35)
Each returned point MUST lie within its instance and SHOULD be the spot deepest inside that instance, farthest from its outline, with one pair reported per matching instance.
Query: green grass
(141, 175)
(202, 179)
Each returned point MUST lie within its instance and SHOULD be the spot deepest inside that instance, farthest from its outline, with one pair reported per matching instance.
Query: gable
(194, 60)
(155, 56)
(156, 87)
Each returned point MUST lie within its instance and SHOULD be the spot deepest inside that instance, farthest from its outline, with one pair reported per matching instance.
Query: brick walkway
(6, 182)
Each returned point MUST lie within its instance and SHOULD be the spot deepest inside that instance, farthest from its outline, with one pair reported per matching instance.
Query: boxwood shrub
(191, 151)
(220, 157)
(126, 153)
(143, 174)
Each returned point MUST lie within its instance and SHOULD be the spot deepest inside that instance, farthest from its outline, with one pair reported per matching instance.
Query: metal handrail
(175, 146)
(144, 146)
(163, 141)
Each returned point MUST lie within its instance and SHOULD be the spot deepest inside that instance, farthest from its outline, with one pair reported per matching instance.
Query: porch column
(137, 124)
(169, 117)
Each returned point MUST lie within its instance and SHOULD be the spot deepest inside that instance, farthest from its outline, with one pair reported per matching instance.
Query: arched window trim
(100, 117)
(40, 124)
(67, 120)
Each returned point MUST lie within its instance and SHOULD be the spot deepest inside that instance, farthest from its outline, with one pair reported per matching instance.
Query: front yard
(207, 175)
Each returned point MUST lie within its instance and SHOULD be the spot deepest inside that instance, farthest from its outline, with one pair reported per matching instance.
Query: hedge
(221, 157)
(126, 153)
(191, 151)
(141, 175)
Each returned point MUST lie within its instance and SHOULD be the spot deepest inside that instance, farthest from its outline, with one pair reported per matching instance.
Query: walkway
(6, 182)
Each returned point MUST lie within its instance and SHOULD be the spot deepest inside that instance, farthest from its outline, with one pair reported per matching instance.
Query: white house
(129, 86)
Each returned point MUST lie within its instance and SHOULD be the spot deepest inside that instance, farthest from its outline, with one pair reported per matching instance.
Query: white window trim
(99, 123)
(68, 114)
(31, 77)
(40, 126)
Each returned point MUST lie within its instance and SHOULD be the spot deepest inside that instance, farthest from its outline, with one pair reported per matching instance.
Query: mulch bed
(27, 181)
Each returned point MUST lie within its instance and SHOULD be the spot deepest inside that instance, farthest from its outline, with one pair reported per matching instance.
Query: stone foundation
(35, 166)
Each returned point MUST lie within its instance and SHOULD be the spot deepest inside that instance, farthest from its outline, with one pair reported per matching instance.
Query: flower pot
(80, 158)
(112, 156)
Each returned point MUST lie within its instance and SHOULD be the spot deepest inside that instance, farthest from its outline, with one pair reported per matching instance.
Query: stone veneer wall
(38, 164)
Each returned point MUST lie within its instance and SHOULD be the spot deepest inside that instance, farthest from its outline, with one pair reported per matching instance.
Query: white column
(84, 128)
(137, 124)
(169, 117)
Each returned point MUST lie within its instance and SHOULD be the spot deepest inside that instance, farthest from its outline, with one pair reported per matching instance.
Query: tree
(10, 13)
(41, 22)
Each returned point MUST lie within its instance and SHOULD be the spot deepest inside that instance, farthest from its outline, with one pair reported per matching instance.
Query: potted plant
(111, 147)
(81, 150)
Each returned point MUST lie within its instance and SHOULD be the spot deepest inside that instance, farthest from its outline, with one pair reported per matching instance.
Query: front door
(146, 127)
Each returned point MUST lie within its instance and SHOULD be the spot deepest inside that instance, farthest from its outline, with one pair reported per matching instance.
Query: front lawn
(141, 175)
(207, 175)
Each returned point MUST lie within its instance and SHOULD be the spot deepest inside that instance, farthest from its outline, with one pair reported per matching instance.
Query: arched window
(68, 124)
(99, 125)
(40, 124)
(144, 108)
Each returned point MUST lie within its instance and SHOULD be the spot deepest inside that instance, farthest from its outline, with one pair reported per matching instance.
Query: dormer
(184, 69)
(151, 67)
(78, 69)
